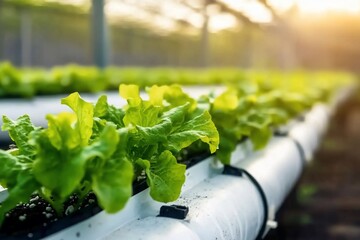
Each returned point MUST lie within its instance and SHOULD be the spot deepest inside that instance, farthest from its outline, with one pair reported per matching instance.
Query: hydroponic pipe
(228, 207)
(220, 206)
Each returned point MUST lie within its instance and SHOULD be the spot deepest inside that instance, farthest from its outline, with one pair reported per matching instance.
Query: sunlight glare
(323, 6)
(222, 21)
(254, 10)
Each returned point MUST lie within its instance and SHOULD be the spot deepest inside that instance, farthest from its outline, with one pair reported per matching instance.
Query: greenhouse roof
(172, 15)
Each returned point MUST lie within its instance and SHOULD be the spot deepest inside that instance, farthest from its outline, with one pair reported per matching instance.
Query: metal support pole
(100, 34)
(25, 38)
(288, 50)
(246, 52)
(205, 38)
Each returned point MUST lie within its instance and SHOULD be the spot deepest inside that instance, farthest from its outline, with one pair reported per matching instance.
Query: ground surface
(326, 202)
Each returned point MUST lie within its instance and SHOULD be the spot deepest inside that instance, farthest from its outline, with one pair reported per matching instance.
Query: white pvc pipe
(319, 118)
(307, 137)
(166, 228)
(309, 133)
(221, 207)
(139, 206)
(276, 169)
(218, 209)
(229, 207)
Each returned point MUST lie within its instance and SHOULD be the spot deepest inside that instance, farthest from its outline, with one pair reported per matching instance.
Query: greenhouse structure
(179, 119)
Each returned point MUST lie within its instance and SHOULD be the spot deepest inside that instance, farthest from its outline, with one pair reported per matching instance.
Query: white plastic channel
(319, 116)
(276, 168)
(309, 132)
(139, 206)
(227, 207)
(221, 207)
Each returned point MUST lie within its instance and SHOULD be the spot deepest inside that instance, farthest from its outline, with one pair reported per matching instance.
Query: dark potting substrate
(37, 219)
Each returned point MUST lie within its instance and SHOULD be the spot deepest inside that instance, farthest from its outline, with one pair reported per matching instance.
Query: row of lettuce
(29, 82)
(104, 149)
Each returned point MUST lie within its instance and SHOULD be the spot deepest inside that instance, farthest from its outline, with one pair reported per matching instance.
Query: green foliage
(310, 86)
(12, 84)
(19, 131)
(16, 165)
(103, 149)
(164, 176)
(159, 130)
(253, 109)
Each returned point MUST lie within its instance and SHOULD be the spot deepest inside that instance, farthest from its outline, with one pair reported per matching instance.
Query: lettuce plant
(103, 149)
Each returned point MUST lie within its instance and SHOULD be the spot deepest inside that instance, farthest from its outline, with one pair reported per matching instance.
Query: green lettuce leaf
(228, 100)
(19, 180)
(156, 94)
(61, 132)
(60, 171)
(170, 96)
(228, 142)
(113, 184)
(158, 133)
(260, 137)
(143, 114)
(108, 112)
(176, 97)
(63, 150)
(112, 179)
(19, 131)
(200, 127)
(164, 176)
(131, 93)
(84, 112)
(176, 130)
